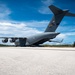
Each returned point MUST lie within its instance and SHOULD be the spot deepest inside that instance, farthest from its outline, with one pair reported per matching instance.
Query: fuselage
(37, 39)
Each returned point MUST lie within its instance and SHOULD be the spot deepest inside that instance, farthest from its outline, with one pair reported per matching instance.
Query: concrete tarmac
(37, 61)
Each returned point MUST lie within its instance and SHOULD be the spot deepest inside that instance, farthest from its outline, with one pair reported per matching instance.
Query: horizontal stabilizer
(70, 14)
(59, 41)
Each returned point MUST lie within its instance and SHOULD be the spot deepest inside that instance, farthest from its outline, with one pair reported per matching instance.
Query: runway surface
(37, 61)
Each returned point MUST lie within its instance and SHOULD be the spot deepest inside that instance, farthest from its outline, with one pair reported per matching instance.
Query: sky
(23, 18)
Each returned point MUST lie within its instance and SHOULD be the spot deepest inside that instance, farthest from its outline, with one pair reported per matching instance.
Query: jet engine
(5, 40)
(13, 40)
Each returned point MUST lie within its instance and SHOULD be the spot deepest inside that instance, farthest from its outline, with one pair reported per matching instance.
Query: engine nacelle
(12, 40)
(5, 40)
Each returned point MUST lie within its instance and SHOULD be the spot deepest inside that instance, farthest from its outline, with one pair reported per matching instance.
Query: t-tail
(58, 16)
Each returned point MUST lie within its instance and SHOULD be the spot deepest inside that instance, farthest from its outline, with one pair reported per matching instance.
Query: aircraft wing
(13, 39)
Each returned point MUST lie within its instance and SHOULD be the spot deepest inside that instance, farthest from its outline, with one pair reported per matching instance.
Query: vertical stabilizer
(58, 16)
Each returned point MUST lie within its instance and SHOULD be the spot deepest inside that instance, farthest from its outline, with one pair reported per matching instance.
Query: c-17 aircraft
(48, 34)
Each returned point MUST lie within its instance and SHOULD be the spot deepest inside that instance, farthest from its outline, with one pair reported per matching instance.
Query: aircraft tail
(58, 16)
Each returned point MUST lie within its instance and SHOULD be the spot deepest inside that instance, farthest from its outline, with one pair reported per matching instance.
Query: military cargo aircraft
(47, 35)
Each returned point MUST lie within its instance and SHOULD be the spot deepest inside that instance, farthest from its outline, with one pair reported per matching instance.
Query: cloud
(47, 2)
(24, 29)
(16, 29)
(66, 26)
(70, 34)
(61, 36)
(40, 25)
(68, 38)
(44, 9)
(4, 12)
(65, 35)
